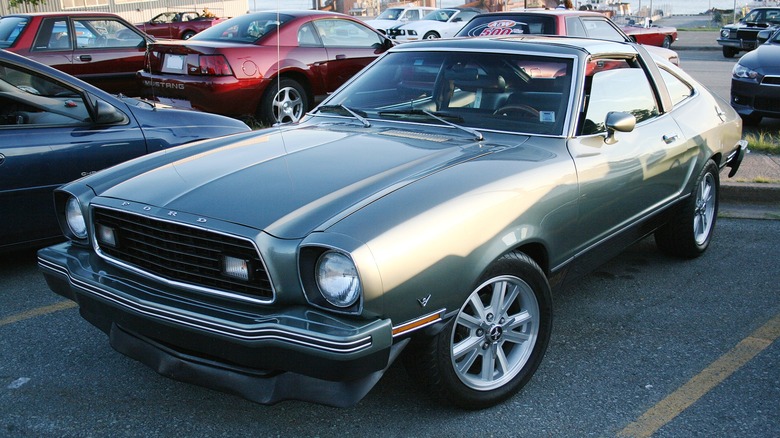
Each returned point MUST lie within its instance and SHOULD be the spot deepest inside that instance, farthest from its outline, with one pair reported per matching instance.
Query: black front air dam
(264, 388)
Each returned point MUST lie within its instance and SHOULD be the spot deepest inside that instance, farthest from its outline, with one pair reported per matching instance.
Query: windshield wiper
(341, 108)
(439, 117)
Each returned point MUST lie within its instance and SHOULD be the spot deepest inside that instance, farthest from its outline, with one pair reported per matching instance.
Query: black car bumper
(749, 97)
(738, 44)
(263, 355)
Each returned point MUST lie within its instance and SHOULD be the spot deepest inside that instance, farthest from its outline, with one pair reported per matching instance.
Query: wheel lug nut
(489, 317)
(485, 346)
(480, 332)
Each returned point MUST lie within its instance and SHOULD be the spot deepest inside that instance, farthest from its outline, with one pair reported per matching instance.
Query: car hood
(766, 59)
(288, 183)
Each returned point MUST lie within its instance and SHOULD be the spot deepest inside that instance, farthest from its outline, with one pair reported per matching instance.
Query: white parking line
(678, 401)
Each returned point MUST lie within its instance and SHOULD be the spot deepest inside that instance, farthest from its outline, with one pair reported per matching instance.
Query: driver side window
(30, 100)
(617, 89)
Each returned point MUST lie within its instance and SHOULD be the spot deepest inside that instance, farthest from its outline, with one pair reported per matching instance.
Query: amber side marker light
(418, 323)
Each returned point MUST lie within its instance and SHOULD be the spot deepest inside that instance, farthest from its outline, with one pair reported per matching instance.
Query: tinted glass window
(307, 36)
(678, 89)
(245, 29)
(601, 29)
(91, 33)
(509, 25)
(10, 28)
(53, 34)
(344, 33)
(618, 89)
(29, 100)
(517, 93)
(574, 27)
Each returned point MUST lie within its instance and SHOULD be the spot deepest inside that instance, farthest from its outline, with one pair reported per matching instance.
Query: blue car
(55, 128)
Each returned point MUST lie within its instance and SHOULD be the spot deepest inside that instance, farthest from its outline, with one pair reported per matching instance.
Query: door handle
(668, 139)
(85, 58)
(341, 56)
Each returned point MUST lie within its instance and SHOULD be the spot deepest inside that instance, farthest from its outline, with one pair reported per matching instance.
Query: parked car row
(230, 67)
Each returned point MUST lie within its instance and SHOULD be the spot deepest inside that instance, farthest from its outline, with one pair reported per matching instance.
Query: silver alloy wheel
(287, 105)
(704, 213)
(495, 333)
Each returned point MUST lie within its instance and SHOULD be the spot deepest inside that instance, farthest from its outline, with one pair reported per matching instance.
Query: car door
(160, 26)
(350, 46)
(48, 138)
(108, 52)
(625, 180)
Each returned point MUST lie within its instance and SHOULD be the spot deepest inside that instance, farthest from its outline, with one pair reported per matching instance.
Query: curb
(750, 192)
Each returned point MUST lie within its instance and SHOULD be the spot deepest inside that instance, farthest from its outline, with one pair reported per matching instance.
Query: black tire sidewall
(452, 388)
(677, 237)
(265, 111)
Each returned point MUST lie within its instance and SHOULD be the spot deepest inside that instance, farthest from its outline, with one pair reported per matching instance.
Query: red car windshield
(246, 29)
(10, 29)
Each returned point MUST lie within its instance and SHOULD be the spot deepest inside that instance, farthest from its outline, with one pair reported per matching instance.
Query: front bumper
(265, 355)
(738, 44)
(749, 97)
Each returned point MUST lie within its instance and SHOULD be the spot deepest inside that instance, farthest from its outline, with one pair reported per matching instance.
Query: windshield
(246, 29)
(10, 28)
(516, 93)
(390, 14)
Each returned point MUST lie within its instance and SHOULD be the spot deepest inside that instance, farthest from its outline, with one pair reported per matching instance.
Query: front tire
(667, 42)
(284, 101)
(497, 340)
(689, 232)
(431, 36)
(729, 52)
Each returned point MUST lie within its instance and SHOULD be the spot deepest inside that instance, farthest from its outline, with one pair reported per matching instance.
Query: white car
(392, 17)
(441, 23)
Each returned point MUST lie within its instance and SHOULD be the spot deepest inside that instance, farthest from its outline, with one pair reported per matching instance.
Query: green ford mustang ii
(425, 211)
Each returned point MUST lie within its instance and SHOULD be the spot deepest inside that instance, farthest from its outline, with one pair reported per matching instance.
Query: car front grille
(771, 80)
(183, 254)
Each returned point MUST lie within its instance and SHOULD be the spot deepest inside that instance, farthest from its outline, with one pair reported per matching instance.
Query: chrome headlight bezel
(74, 218)
(342, 295)
(337, 279)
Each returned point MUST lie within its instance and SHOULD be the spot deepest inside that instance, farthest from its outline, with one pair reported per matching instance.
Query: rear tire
(187, 35)
(689, 232)
(284, 101)
(495, 343)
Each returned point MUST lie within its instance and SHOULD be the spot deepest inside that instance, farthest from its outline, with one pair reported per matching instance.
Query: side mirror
(618, 122)
(106, 114)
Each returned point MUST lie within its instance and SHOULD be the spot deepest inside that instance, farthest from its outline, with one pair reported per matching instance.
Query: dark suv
(741, 36)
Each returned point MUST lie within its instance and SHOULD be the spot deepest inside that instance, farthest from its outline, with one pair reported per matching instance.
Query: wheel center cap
(495, 333)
